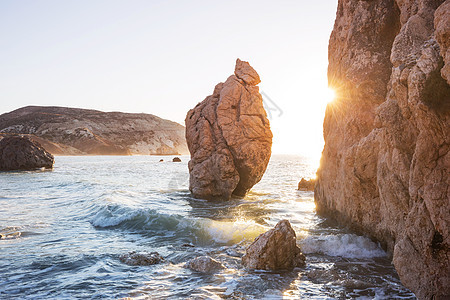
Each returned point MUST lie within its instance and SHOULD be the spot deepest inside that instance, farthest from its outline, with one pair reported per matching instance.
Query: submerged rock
(141, 259)
(229, 138)
(21, 153)
(176, 159)
(386, 162)
(307, 185)
(204, 264)
(275, 249)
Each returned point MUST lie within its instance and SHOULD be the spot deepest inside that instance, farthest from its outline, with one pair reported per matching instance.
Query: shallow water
(63, 231)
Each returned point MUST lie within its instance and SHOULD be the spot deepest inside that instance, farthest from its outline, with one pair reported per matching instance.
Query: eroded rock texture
(275, 249)
(229, 138)
(204, 264)
(386, 163)
(21, 153)
(141, 259)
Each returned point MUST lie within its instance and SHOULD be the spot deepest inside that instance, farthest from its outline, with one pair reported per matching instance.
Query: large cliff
(385, 166)
(73, 131)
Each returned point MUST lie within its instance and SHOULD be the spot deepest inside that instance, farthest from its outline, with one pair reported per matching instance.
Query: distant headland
(74, 131)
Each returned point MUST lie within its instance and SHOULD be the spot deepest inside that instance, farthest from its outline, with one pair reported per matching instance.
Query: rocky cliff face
(73, 131)
(229, 137)
(385, 166)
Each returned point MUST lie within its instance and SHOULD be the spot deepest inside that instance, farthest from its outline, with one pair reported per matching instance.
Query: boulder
(229, 137)
(176, 159)
(275, 249)
(141, 259)
(306, 185)
(21, 153)
(204, 264)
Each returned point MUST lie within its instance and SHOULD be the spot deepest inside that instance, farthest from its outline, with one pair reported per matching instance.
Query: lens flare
(330, 95)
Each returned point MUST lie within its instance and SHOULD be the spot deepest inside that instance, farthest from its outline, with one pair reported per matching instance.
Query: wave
(234, 231)
(151, 220)
(343, 245)
(114, 215)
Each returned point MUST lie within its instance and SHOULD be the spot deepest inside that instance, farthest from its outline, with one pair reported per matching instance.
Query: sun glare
(330, 95)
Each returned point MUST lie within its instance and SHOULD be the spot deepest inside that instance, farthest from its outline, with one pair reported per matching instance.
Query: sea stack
(229, 138)
(21, 153)
(386, 163)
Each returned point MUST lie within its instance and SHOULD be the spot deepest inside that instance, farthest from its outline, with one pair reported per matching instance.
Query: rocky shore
(386, 162)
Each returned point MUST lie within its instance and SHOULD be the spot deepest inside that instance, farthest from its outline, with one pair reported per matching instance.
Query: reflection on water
(63, 231)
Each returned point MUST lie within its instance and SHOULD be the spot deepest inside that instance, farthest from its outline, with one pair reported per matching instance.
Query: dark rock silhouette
(176, 159)
(21, 153)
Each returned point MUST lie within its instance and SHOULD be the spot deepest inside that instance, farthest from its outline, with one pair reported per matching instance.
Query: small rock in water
(141, 259)
(176, 159)
(22, 153)
(161, 160)
(204, 264)
(275, 249)
(306, 185)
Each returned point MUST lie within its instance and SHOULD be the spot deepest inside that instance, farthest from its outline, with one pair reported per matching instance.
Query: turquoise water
(64, 230)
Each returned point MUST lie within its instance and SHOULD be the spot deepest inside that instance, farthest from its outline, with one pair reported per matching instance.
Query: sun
(329, 95)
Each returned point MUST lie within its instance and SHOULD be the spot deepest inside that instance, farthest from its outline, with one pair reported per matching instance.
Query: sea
(63, 231)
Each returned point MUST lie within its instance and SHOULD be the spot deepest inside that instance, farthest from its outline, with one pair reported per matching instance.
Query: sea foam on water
(343, 245)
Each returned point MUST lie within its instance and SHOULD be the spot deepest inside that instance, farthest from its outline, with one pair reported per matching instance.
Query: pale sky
(163, 57)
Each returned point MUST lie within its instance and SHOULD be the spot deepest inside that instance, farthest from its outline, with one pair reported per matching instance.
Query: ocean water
(64, 230)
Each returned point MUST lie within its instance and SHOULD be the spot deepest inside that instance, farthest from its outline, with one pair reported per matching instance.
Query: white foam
(343, 245)
(107, 217)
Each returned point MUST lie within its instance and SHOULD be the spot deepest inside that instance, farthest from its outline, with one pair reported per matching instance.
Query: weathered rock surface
(386, 162)
(21, 153)
(275, 249)
(306, 185)
(229, 137)
(204, 264)
(73, 131)
(141, 259)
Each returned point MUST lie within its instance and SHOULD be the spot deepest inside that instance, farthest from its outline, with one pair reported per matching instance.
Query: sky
(163, 57)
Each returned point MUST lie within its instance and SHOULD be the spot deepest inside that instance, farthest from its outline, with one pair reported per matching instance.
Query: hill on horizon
(76, 131)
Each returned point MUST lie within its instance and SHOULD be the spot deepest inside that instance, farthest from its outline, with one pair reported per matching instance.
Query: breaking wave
(343, 245)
